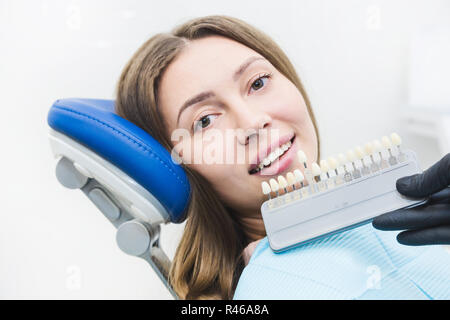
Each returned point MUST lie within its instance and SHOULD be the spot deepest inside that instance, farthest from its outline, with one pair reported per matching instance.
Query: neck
(253, 227)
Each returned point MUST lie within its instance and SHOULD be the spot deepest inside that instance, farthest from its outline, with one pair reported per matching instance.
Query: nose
(250, 121)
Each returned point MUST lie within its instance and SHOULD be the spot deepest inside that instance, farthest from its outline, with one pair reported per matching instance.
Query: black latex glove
(428, 223)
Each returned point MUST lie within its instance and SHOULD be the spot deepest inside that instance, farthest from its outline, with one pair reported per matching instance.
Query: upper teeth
(274, 155)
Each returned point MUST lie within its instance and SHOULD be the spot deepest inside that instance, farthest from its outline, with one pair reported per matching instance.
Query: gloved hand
(428, 223)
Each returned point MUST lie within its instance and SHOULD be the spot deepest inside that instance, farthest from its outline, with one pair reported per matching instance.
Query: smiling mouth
(273, 157)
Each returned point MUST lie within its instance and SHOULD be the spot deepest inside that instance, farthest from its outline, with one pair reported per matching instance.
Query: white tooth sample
(301, 156)
(368, 148)
(298, 175)
(290, 178)
(273, 185)
(266, 161)
(265, 187)
(342, 159)
(282, 182)
(359, 152)
(332, 163)
(324, 166)
(396, 140)
(377, 145)
(284, 147)
(351, 155)
(386, 142)
(377, 148)
(315, 169)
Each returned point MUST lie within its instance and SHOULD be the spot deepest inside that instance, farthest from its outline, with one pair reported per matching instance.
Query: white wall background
(352, 55)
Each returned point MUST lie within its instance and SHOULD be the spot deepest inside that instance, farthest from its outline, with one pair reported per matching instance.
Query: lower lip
(281, 164)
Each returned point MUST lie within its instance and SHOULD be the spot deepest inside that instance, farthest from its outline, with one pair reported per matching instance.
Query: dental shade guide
(338, 195)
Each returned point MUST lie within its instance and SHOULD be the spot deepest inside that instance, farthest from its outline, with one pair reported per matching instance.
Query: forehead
(204, 64)
(204, 56)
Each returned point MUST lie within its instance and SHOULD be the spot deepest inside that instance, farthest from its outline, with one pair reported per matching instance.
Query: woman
(255, 87)
(215, 74)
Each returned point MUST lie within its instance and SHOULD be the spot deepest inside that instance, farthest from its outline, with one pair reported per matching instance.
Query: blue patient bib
(361, 263)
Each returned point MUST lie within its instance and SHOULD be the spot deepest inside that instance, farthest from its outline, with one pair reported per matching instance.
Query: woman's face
(258, 100)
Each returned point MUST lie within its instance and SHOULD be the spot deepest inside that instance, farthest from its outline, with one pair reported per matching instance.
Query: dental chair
(125, 172)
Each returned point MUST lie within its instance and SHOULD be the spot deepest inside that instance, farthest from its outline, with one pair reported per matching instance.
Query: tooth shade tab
(377, 145)
(282, 182)
(265, 187)
(396, 140)
(274, 185)
(298, 175)
(342, 159)
(351, 155)
(386, 142)
(359, 152)
(301, 156)
(315, 169)
(368, 148)
(290, 178)
(332, 163)
(324, 166)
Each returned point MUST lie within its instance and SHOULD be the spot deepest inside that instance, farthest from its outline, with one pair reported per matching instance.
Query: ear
(177, 155)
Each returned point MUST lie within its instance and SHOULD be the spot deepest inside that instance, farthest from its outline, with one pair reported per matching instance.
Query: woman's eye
(258, 83)
(203, 122)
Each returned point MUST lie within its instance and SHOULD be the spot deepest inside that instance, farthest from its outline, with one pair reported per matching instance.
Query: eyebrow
(208, 94)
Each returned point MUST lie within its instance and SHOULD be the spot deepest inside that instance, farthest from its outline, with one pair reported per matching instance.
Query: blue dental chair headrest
(94, 123)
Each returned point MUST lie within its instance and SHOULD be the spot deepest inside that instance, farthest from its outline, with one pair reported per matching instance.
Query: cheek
(214, 157)
(291, 107)
(294, 111)
(209, 171)
(223, 179)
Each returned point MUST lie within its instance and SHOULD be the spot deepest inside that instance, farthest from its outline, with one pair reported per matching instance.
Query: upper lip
(263, 154)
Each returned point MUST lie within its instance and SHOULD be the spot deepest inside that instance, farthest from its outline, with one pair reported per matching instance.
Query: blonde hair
(208, 261)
